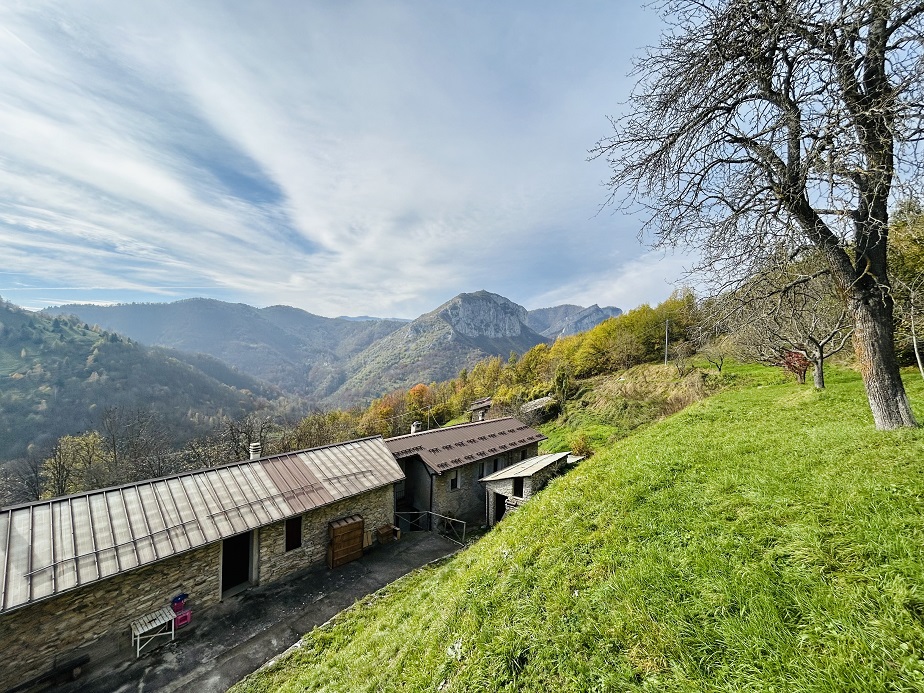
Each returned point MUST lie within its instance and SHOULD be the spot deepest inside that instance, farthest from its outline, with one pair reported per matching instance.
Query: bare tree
(790, 308)
(22, 480)
(136, 444)
(760, 124)
(241, 432)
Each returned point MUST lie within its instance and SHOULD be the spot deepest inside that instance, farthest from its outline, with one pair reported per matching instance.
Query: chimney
(255, 451)
(416, 427)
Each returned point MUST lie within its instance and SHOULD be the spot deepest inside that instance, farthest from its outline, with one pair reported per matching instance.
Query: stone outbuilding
(443, 466)
(478, 410)
(509, 488)
(76, 572)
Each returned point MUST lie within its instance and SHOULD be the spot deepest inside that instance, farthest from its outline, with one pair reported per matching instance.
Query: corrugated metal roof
(50, 547)
(531, 466)
(447, 448)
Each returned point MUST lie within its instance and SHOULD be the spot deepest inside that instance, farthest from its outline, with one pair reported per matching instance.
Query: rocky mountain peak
(483, 314)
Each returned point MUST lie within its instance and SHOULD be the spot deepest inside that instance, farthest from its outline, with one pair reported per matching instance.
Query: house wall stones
(376, 508)
(531, 485)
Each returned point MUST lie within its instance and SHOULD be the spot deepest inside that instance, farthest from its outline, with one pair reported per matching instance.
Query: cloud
(650, 279)
(345, 158)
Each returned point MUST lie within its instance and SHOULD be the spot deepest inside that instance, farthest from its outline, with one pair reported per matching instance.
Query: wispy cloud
(346, 158)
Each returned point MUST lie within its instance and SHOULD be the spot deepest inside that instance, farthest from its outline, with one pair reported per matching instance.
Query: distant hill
(567, 319)
(435, 346)
(290, 348)
(58, 374)
(345, 360)
(365, 318)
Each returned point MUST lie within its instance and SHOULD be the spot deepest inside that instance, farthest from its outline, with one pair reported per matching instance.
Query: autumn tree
(760, 124)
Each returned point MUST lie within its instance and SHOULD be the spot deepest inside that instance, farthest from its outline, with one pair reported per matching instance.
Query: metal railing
(425, 520)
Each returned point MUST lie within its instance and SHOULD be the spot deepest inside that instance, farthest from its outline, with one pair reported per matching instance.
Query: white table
(152, 625)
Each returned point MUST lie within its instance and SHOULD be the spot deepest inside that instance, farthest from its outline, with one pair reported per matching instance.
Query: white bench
(152, 625)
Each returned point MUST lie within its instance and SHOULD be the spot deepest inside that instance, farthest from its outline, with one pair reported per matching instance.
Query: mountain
(567, 319)
(58, 375)
(435, 346)
(366, 318)
(345, 360)
(290, 348)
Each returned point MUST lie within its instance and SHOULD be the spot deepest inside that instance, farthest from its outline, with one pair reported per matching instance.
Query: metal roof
(53, 546)
(443, 449)
(531, 466)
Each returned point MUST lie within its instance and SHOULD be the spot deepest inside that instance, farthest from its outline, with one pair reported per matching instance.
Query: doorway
(235, 562)
(500, 506)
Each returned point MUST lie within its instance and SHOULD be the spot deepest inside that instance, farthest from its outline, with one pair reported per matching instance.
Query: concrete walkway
(227, 641)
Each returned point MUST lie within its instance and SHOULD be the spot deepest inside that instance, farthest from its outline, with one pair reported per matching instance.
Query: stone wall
(377, 508)
(531, 485)
(96, 618)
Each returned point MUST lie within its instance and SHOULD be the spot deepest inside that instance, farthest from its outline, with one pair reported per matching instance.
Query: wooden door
(346, 540)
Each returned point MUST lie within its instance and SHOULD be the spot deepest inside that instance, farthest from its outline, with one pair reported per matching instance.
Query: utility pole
(667, 322)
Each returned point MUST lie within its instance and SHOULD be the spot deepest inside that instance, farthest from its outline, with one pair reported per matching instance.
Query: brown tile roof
(447, 448)
(53, 546)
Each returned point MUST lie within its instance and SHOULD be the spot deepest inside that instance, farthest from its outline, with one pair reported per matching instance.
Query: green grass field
(764, 539)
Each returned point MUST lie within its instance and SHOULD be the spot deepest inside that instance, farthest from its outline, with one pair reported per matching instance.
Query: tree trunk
(819, 370)
(875, 350)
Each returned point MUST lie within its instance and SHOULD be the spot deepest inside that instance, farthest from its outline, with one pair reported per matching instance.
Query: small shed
(479, 409)
(509, 488)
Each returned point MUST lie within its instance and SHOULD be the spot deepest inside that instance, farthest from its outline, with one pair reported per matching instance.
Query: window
(496, 463)
(523, 455)
(293, 533)
(480, 469)
(518, 487)
(454, 480)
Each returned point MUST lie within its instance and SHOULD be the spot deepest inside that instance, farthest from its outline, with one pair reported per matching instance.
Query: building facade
(442, 467)
(76, 571)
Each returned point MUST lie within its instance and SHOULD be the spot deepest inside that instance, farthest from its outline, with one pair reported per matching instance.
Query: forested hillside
(301, 353)
(343, 361)
(59, 375)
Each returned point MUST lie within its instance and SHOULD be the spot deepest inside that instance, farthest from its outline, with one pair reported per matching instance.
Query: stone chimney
(416, 427)
(255, 451)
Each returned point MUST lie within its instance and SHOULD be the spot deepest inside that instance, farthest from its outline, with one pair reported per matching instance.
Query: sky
(343, 157)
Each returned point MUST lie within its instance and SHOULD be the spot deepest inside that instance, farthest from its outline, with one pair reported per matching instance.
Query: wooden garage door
(346, 540)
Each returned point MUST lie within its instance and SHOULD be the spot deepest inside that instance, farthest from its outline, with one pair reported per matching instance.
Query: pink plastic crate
(182, 618)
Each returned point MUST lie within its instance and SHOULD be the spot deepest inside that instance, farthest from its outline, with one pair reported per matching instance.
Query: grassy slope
(764, 539)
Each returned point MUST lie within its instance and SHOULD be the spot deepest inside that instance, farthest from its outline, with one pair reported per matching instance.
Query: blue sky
(343, 157)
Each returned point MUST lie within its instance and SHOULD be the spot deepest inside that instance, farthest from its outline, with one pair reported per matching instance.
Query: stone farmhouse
(442, 467)
(77, 572)
(507, 489)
